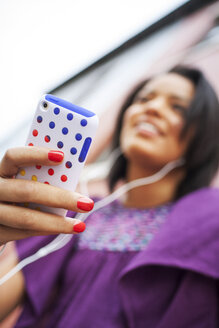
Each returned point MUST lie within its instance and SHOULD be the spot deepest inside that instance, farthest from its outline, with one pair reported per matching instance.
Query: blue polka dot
(73, 150)
(51, 125)
(78, 136)
(56, 110)
(65, 130)
(39, 119)
(68, 164)
(60, 144)
(70, 117)
(83, 122)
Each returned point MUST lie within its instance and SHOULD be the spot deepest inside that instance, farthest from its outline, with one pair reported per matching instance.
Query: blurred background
(46, 42)
(91, 52)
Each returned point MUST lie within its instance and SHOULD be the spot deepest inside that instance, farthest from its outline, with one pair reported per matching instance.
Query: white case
(60, 125)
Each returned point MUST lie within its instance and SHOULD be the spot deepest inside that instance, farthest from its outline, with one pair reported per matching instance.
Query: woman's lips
(147, 129)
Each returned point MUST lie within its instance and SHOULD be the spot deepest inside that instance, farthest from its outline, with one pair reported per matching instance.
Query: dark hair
(202, 155)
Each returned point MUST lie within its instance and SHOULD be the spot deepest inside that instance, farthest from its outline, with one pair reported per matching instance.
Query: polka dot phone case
(58, 124)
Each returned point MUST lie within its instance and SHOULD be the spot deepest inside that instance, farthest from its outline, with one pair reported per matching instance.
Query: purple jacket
(177, 278)
(174, 283)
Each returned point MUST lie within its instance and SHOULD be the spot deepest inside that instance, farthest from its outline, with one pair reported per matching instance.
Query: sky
(45, 42)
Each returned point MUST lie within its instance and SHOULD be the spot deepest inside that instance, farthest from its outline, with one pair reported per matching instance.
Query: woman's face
(152, 125)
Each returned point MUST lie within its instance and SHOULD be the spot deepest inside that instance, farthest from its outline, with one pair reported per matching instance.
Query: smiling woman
(182, 110)
(151, 259)
(152, 128)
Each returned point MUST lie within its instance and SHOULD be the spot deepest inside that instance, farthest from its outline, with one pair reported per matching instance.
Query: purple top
(111, 276)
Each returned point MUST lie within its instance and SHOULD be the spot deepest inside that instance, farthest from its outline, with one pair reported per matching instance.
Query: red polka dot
(46, 182)
(30, 144)
(35, 133)
(64, 178)
(51, 171)
(47, 138)
(38, 167)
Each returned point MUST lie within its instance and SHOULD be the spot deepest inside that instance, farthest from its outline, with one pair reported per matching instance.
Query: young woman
(149, 259)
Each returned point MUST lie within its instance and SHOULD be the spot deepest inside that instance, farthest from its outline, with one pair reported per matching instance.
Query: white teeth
(148, 126)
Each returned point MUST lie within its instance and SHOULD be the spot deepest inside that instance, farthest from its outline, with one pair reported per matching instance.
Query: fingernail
(79, 227)
(85, 204)
(55, 155)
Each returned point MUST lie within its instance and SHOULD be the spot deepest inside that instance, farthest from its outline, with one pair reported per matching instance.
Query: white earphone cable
(62, 239)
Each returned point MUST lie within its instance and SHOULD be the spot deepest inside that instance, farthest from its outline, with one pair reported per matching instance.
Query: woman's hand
(18, 222)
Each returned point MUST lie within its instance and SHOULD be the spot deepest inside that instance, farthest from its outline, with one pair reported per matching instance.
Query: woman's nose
(155, 107)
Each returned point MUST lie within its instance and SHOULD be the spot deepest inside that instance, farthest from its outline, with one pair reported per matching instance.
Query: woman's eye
(179, 108)
(142, 99)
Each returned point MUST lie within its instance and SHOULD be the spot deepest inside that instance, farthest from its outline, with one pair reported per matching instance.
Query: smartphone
(61, 125)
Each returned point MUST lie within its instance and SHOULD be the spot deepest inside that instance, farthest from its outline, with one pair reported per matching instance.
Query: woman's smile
(147, 128)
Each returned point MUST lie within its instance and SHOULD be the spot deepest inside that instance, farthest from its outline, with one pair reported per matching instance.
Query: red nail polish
(80, 227)
(55, 155)
(85, 204)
